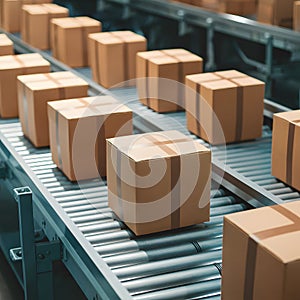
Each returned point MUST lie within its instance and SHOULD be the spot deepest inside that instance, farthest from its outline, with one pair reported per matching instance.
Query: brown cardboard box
(286, 147)
(276, 12)
(238, 7)
(113, 56)
(35, 29)
(67, 32)
(10, 13)
(234, 105)
(297, 15)
(161, 76)
(6, 45)
(34, 91)
(261, 257)
(80, 155)
(12, 66)
(158, 181)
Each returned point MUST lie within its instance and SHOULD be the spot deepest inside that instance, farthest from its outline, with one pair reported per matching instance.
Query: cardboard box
(286, 147)
(10, 13)
(297, 15)
(224, 110)
(80, 155)
(158, 181)
(238, 7)
(34, 91)
(12, 66)
(113, 56)
(261, 258)
(67, 32)
(6, 45)
(35, 29)
(276, 12)
(161, 76)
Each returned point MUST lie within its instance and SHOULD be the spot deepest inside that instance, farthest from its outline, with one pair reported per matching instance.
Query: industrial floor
(9, 286)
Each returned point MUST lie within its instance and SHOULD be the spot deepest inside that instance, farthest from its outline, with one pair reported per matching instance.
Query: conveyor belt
(180, 264)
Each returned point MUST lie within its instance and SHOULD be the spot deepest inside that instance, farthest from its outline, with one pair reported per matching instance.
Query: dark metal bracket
(37, 257)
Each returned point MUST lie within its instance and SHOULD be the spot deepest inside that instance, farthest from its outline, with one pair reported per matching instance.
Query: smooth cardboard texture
(67, 32)
(149, 181)
(276, 12)
(34, 91)
(10, 10)
(296, 19)
(161, 76)
(6, 45)
(113, 56)
(35, 29)
(79, 155)
(12, 66)
(277, 257)
(241, 118)
(286, 147)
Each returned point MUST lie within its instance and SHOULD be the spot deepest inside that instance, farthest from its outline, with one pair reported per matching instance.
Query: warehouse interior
(148, 149)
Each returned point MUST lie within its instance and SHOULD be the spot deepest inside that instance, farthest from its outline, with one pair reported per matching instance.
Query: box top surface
(37, 9)
(9, 62)
(150, 146)
(292, 116)
(175, 52)
(262, 224)
(202, 77)
(75, 22)
(218, 85)
(53, 80)
(163, 60)
(88, 107)
(247, 81)
(125, 36)
(5, 41)
(150, 54)
(230, 74)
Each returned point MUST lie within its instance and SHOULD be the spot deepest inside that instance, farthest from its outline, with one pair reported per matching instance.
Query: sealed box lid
(150, 146)
(218, 85)
(290, 116)
(51, 80)
(247, 81)
(274, 228)
(4, 40)
(150, 54)
(202, 77)
(41, 9)
(88, 107)
(230, 74)
(117, 37)
(22, 61)
(75, 22)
